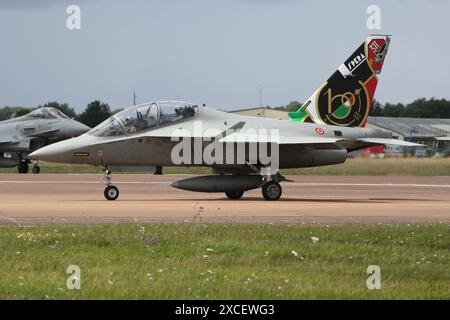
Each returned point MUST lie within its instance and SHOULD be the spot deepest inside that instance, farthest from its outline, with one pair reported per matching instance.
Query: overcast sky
(216, 52)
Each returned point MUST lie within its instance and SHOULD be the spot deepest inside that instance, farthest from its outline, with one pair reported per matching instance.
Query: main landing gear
(111, 192)
(271, 190)
(158, 170)
(270, 187)
(22, 167)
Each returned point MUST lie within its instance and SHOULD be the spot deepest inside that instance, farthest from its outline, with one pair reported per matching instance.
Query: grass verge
(225, 261)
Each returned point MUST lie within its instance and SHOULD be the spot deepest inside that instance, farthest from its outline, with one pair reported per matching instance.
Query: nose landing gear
(111, 192)
(36, 169)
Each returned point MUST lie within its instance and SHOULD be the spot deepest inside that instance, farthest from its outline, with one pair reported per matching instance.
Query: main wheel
(22, 167)
(36, 169)
(234, 195)
(111, 193)
(272, 191)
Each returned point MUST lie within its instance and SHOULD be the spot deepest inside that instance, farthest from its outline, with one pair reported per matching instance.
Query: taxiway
(71, 198)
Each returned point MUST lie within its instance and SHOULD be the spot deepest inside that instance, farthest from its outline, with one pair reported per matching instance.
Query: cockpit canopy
(46, 113)
(143, 117)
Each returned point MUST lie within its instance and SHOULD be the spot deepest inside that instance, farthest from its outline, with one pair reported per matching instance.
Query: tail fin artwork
(345, 99)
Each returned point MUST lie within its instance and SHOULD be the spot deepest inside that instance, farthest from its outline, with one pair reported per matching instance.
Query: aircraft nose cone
(57, 152)
(75, 128)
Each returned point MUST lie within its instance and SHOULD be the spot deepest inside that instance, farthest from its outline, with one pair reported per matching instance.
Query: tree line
(94, 113)
(97, 111)
(420, 108)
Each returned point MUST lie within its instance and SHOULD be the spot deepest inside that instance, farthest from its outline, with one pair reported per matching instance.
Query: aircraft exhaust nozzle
(219, 183)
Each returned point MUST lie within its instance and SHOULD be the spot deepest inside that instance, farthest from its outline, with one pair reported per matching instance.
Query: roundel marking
(320, 131)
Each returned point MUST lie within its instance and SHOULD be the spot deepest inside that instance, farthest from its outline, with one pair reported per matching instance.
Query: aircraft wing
(7, 142)
(243, 137)
(8, 145)
(282, 140)
(394, 142)
(308, 140)
(42, 134)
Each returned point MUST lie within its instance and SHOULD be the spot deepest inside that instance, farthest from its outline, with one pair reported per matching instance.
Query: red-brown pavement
(71, 198)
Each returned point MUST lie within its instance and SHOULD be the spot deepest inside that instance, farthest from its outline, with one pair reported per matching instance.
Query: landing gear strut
(270, 186)
(111, 192)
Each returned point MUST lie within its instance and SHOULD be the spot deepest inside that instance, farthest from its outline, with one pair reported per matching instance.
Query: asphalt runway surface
(70, 198)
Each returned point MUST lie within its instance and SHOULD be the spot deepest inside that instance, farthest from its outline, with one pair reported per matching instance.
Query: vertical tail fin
(345, 99)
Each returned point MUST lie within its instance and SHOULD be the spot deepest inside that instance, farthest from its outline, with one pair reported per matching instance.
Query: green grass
(381, 167)
(357, 166)
(225, 261)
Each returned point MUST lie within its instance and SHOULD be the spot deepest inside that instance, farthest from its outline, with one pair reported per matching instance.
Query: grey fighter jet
(22, 135)
(174, 133)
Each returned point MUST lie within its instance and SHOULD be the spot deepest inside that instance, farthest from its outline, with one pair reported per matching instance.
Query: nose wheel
(36, 169)
(111, 192)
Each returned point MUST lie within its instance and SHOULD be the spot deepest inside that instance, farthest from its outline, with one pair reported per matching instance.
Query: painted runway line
(287, 184)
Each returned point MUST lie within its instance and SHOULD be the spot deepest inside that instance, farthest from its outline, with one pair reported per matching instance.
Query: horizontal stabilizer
(394, 142)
